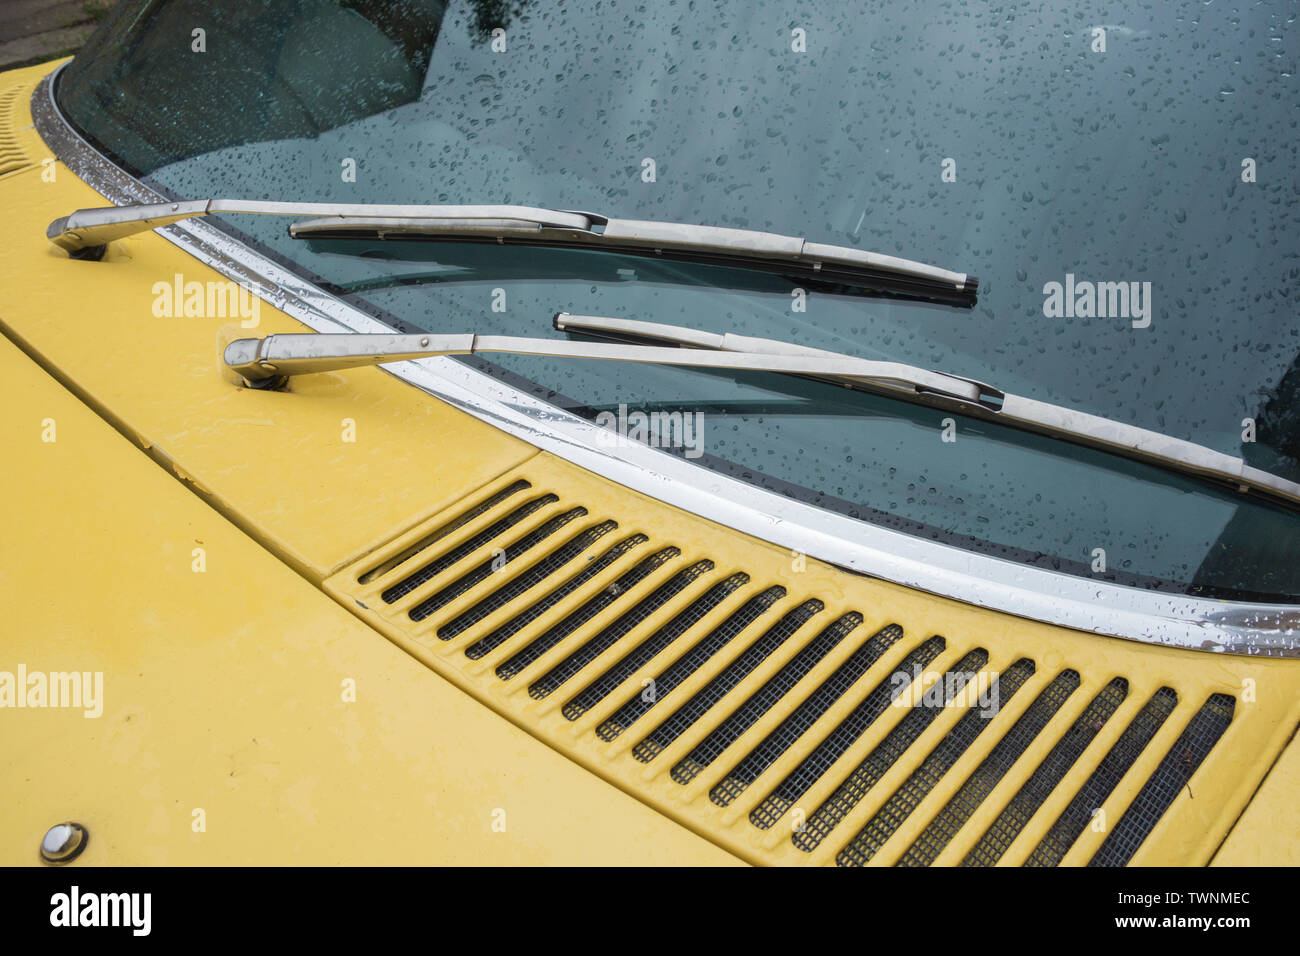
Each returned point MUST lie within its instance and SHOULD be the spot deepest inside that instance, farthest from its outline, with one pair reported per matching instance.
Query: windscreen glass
(1123, 188)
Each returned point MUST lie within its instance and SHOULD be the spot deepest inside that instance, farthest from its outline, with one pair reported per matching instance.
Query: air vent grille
(804, 716)
(531, 613)
(1012, 820)
(1173, 774)
(611, 635)
(721, 685)
(15, 146)
(1104, 779)
(767, 697)
(949, 821)
(607, 597)
(814, 766)
(780, 711)
(688, 663)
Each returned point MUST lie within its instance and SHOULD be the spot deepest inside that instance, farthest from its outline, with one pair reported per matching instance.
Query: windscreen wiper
(86, 233)
(267, 362)
(1016, 411)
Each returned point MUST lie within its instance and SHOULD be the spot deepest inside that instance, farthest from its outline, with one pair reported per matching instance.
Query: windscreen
(1124, 189)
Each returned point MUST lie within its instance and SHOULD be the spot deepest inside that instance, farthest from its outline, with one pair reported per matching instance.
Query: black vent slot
(815, 765)
(524, 582)
(575, 619)
(868, 841)
(966, 801)
(689, 663)
(487, 567)
(521, 620)
(764, 699)
(1022, 807)
(1172, 775)
(725, 682)
(549, 682)
(1104, 779)
(432, 570)
(458, 522)
(788, 732)
(886, 753)
(651, 647)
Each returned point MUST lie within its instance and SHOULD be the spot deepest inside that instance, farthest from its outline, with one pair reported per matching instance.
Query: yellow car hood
(225, 687)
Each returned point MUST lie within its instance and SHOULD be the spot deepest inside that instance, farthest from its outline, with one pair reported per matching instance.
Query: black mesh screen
(1022, 807)
(652, 646)
(763, 699)
(965, 803)
(458, 522)
(580, 616)
(1058, 840)
(480, 572)
(686, 665)
(788, 731)
(886, 753)
(519, 585)
(1172, 775)
(521, 620)
(725, 682)
(465, 548)
(811, 769)
(868, 841)
(547, 684)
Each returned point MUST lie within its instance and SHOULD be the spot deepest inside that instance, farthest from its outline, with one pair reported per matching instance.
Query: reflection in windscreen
(958, 134)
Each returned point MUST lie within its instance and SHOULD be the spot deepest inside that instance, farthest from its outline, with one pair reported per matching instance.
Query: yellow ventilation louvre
(20, 146)
(795, 713)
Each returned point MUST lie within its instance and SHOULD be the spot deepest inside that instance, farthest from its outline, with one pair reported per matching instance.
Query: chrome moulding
(1098, 607)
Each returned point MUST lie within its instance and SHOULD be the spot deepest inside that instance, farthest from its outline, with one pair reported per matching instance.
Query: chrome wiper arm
(1027, 414)
(86, 233)
(268, 361)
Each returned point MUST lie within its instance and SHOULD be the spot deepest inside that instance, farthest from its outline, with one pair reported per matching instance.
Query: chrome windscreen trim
(1098, 607)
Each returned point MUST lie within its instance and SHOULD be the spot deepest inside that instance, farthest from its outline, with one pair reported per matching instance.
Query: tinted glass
(1047, 154)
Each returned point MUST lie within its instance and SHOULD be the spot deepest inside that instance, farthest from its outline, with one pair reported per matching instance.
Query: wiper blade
(86, 233)
(1016, 411)
(712, 245)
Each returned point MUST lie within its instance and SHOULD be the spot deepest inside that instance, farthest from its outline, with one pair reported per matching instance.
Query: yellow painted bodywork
(224, 686)
(224, 692)
(1266, 833)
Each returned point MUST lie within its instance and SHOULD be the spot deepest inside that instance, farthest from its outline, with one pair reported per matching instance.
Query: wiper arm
(1027, 414)
(267, 362)
(86, 233)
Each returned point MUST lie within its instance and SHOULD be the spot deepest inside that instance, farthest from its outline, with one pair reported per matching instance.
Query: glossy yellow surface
(1266, 834)
(224, 692)
(95, 566)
